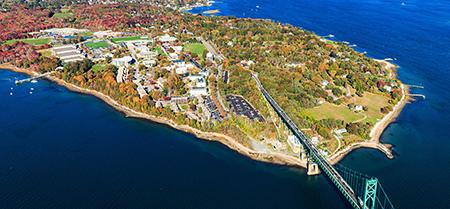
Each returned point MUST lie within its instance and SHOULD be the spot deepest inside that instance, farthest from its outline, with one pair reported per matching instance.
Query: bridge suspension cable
(361, 190)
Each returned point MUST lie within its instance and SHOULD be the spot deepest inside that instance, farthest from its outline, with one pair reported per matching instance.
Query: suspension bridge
(360, 190)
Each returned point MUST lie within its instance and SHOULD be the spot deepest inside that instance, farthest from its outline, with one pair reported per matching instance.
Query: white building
(387, 88)
(359, 108)
(181, 71)
(123, 62)
(195, 77)
(166, 38)
(141, 91)
(201, 83)
(324, 83)
(198, 91)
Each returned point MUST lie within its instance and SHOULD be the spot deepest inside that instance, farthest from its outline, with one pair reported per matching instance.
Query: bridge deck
(324, 165)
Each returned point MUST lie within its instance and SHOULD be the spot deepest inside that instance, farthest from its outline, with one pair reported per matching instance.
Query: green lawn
(129, 38)
(373, 101)
(159, 50)
(46, 52)
(328, 110)
(62, 14)
(32, 41)
(98, 68)
(96, 45)
(88, 33)
(195, 48)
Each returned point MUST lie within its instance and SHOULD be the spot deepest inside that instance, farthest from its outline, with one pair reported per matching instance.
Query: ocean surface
(60, 149)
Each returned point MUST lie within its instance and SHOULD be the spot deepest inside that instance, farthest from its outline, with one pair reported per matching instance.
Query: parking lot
(242, 107)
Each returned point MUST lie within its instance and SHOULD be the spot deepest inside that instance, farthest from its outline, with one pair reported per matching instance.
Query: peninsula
(153, 61)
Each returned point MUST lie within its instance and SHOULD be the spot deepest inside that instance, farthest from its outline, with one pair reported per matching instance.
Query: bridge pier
(312, 168)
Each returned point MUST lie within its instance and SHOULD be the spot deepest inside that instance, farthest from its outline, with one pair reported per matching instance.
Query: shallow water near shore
(60, 149)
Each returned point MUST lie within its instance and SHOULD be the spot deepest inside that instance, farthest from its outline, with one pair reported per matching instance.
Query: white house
(324, 83)
(388, 88)
(359, 108)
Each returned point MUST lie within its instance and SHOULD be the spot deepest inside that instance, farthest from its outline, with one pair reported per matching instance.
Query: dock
(417, 95)
(18, 82)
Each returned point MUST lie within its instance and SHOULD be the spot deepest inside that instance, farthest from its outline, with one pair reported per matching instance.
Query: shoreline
(275, 158)
(270, 157)
(378, 129)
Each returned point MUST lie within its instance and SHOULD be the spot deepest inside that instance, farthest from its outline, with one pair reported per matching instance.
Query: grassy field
(374, 102)
(160, 51)
(195, 48)
(32, 41)
(129, 38)
(96, 45)
(327, 110)
(98, 68)
(63, 14)
(46, 52)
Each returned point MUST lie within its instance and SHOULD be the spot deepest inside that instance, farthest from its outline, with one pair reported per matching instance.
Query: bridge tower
(370, 193)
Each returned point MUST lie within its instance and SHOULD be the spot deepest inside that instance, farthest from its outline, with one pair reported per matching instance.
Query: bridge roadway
(324, 165)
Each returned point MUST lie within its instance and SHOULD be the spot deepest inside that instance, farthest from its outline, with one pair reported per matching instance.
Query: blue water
(417, 35)
(60, 149)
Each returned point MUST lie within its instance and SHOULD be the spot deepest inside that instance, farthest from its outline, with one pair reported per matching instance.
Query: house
(387, 88)
(248, 63)
(324, 83)
(198, 91)
(359, 108)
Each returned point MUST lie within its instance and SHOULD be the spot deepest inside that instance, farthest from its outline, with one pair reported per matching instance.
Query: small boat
(353, 45)
(388, 59)
(11, 88)
(34, 81)
(403, 3)
(346, 42)
(31, 89)
(31, 92)
(10, 93)
(330, 36)
(257, 6)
